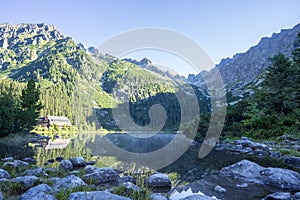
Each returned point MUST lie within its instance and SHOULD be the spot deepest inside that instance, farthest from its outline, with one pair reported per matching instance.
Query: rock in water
(95, 195)
(40, 192)
(158, 180)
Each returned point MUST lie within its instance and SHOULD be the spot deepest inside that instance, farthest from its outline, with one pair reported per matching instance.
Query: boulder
(78, 162)
(7, 159)
(244, 170)
(158, 196)
(158, 180)
(197, 197)
(16, 164)
(251, 172)
(297, 196)
(281, 178)
(4, 174)
(26, 181)
(66, 165)
(29, 160)
(103, 175)
(35, 172)
(90, 169)
(292, 160)
(279, 196)
(71, 181)
(40, 192)
(130, 186)
(95, 195)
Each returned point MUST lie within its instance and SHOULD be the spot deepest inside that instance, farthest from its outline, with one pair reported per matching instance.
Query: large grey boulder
(66, 165)
(4, 174)
(279, 196)
(244, 170)
(78, 162)
(97, 195)
(297, 196)
(197, 197)
(40, 192)
(71, 181)
(90, 169)
(26, 181)
(103, 175)
(282, 178)
(254, 173)
(158, 180)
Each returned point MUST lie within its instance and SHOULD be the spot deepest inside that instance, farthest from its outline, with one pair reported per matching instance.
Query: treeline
(274, 108)
(19, 106)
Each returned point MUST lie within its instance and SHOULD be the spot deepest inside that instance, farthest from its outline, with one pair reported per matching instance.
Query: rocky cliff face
(243, 68)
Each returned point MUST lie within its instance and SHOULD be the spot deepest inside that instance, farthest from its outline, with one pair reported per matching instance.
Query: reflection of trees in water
(17, 150)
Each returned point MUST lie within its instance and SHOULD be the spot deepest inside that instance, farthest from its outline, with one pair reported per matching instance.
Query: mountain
(243, 68)
(81, 83)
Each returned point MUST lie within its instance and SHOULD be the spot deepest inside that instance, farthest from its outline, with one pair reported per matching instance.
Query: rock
(281, 178)
(59, 159)
(7, 159)
(16, 164)
(90, 169)
(40, 192)
(254, 173)
(50, 160)
(244, 170)
(158, 180)
(261, 153)
(292, 160)
(101, 195)
(3, 180)
(157, 196)
(91, 163)
(125, 179)
(1, 196)
(220, 189)
(66, 165)
(242, 185)
(71, 181)
(54, 180)
(297, 196)
(29, 160)
(130, 186)
(103, 175)
(279, 196)
(197, 197)
(4, 174)
(35, 172)
(26, 181)
(275, 154)
(78, 162)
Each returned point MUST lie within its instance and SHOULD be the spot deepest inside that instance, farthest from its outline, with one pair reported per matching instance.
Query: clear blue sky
(221, 27)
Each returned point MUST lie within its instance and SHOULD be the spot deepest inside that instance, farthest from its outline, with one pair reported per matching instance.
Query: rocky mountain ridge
(244, 68)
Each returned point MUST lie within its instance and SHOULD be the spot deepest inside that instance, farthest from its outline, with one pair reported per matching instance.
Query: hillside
(76, 82)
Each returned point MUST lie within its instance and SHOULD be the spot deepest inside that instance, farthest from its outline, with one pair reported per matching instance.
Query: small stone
(242, 185)
(125, 179)
(279, 196)
(220, 189)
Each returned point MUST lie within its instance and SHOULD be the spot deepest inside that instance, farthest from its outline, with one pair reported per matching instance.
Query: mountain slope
(246, 67)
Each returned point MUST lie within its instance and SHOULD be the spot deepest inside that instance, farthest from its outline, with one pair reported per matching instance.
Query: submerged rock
(158, 180)
(95, 195)
(40, 192)
(4, 174)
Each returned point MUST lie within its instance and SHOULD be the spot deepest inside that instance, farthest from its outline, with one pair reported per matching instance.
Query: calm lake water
(129, 153)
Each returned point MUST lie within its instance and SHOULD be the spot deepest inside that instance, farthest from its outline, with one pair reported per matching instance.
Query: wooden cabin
(48, 121)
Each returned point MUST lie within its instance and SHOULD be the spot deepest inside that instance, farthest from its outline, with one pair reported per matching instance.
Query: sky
(221, 27)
